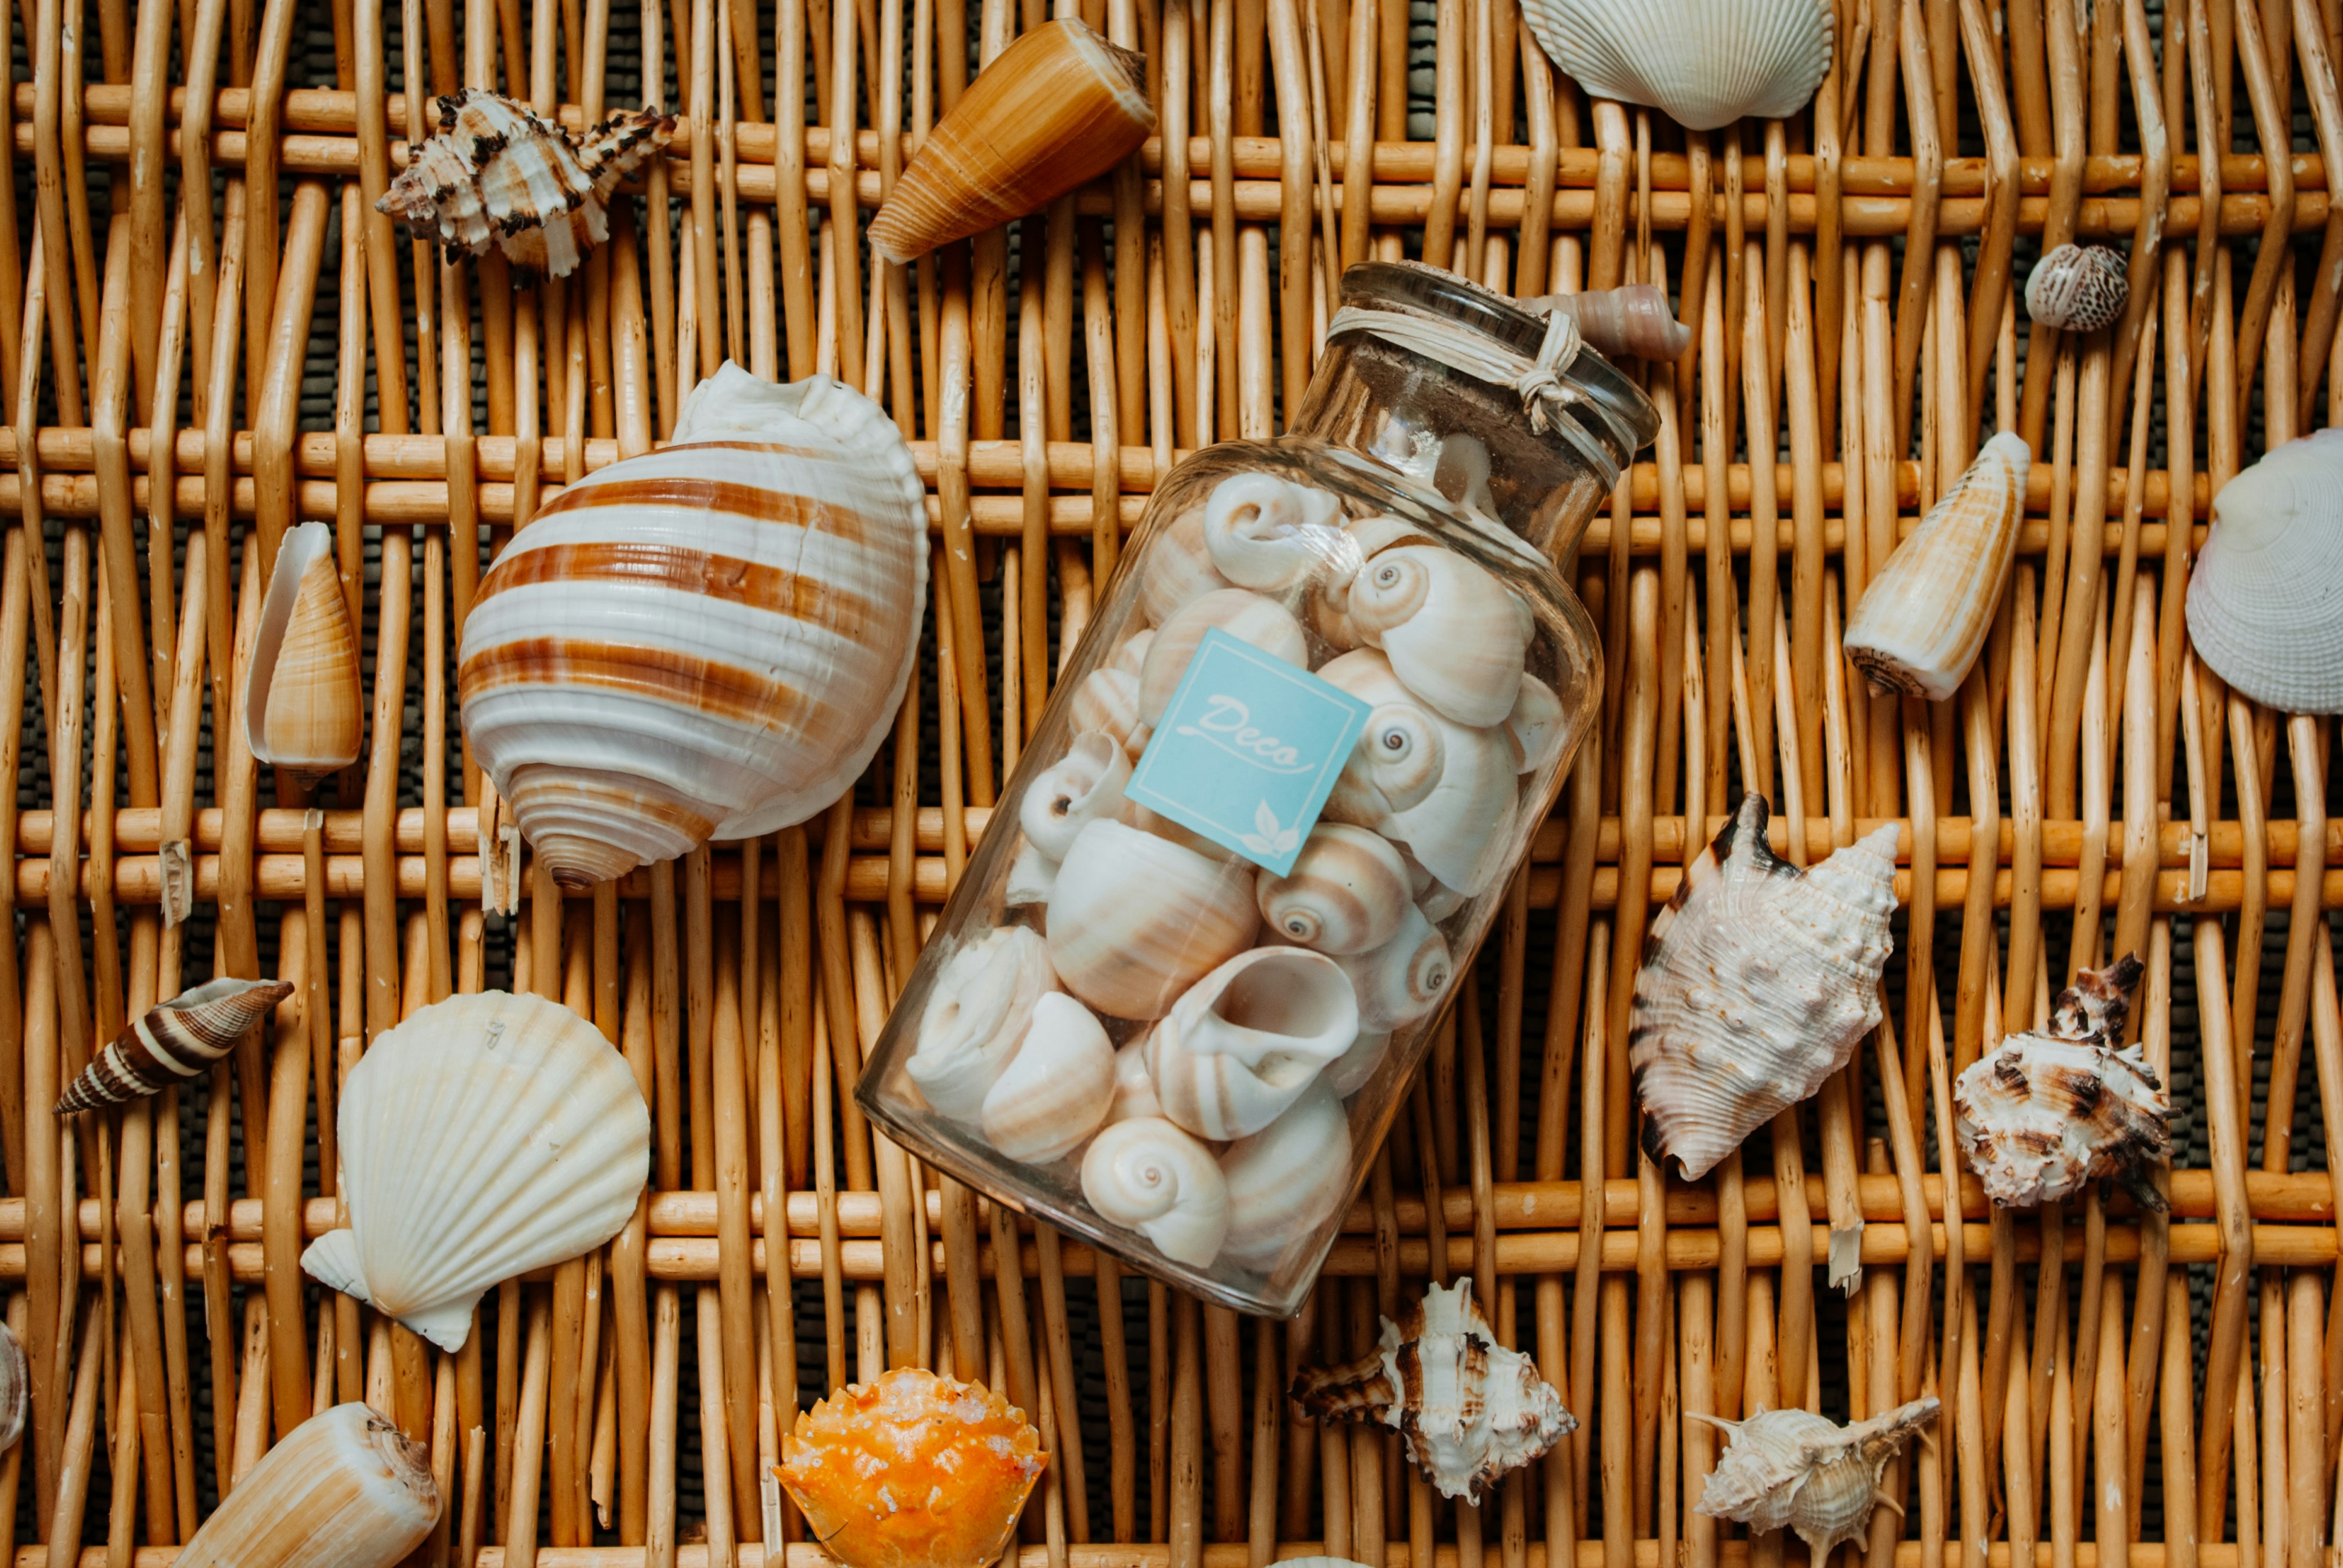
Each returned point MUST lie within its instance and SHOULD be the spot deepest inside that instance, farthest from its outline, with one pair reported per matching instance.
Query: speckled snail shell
(2077, 287)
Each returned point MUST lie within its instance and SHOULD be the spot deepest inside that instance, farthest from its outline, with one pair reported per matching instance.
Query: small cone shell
(1057, 109)
(1921, 622)
(303, 705)
(178, 1038)
(343, 1489)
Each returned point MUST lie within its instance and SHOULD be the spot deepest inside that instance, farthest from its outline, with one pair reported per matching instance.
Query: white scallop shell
(1266, 533)
(1704, 63)
(1137, 920)
(1134, 1091)
(2078, 287)
(2266, 595)
(485, 1136)
(1349, 1072)
(1795, 1469)
(1285, 1179)
(1083, 785)
(1057, 1090)
(1403, 979)
(1177, 568)
(1454, 634)
(1243, 1042)
(1242, 614)
(1345, 892)
(710, 640)
(1922, 621)
(978, 1008)
(344, 1489)
(1758, 981)
(1456, 820)
(1148, 1175)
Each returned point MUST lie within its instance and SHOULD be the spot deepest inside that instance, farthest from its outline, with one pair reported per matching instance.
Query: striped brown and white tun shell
(1795, 1470)
(497, 173)
(176, 1039)
(2077, 287)
(2044, 1114)
(1470, 1409)
(709, 640)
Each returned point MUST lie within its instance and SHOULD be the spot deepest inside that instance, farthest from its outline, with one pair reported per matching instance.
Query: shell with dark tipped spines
(179, 1039)
(1793, 1469)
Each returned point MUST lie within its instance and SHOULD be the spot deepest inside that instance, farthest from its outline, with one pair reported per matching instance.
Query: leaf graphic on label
(1271, 839)
(1265, 821)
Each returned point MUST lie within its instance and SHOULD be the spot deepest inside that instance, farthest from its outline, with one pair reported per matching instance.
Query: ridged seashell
(1535, 727)
(344, 1489)
(176, 1039)
(1455, 636)
(1444, 789)
(1147, 1175)
(1403, 979)
(1349, 1072)
(1329, 599)
(1137, 919)
(1134, 1091)
(705, 641)
(303, 708)
(2043, 1116)
(1242, 614)
(1704, 63)
(1345, 894)
(497, 173)
(1243, 1042)
(1177, 568)
(1058, 1089)
(1758, 979)
(1267, 533)
(2266, 595)
(1107, 700)
(2078, 287)
(1083, 785)
(977, 1010)
(1057, 108)
(1795, 1469)
(1919, 626)
(1631, 322)
(1470, 1410)
(1286, 1179)
(485, 1136)
(911, 1470)
(15, 1389)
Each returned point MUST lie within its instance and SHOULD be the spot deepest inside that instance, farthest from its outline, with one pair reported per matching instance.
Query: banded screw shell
(180, 1039)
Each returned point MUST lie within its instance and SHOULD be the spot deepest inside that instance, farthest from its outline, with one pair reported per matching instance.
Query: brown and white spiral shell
(1148, 1176)
(1287, 1179)
(1245, 1041)
(2077, 287)
(173, 1042)
(303, 708)
(1135, 919)
(1346, 891)
(978, 1009)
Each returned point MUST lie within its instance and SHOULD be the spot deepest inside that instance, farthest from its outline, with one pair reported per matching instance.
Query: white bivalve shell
(485, 1136)
(2266, 595)
(1057, 1090)
(1470, 1410)
(1444, 789)
(1246, 1040)
(1346, 893)
(2044, 1115)
(1454, 634)
(1242, 614)
(978, 1007)
(1147, 1175)
(1135, 919)
(1706, 62)
(707, 641)
(1285, 1179)
(1758, 981)
(1266, 533)
(1793, 1469)
(1403, 979)
(344, 1489)
(2078, 287)
(1920, 624)
(1081, 786)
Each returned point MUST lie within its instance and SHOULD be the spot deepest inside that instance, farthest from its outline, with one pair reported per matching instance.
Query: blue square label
(1248, 750)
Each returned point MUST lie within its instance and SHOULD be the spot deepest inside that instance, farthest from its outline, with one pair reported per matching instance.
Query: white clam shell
(978, 1010)
(1346, 892)
(2266, 595)
(1454, 634)
(1535, 727)
(1242, 614)
(1706, 62)
(1403, 979)
(1177, 568)
(1349, 1072)
(710, 640)
(344, 1489)
(1137, 920)
(1922, 621)
(1059, 1088)
(1148, 1175)
(1286, 1179)
(1134, 1091)
(2078, 287)
(1457, 820)
(1245, 1040)
(485, 1136)
(1083, 785)
(1267, 533)
(1793, 1469)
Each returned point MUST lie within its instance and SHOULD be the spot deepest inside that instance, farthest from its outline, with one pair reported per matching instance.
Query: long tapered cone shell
(1057, 109)
(343, 1490)
(303, 708)
(1706, 62)
(1921, 622)
(707, 641)
(485, 1136)
(2265, 597)
(179, 1039)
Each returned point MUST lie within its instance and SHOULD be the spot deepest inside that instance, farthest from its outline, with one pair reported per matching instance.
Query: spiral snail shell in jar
(705, 641)
(1135, 919)
(1245, 1040)
(1149, 1176)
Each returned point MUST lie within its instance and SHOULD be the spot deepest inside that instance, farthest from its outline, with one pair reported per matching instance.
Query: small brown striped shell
(180, 1039)
(2078, 287)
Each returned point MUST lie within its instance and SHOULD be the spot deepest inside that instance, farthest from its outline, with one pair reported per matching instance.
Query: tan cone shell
(345, 1490)
(304, 707)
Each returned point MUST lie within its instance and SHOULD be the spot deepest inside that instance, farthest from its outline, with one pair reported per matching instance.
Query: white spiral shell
(1177, 568)
(1151, 1177)
(1136, 919)
(344, 1489)
(1085, 784)
(1242, 614)
(978, 1008)
(1403, 979)
(1455, 636)
(1266, 533)
(1057, 1090)
(1345, 894)
(1246, 1040)
(1286, 1179)
(1456, 818)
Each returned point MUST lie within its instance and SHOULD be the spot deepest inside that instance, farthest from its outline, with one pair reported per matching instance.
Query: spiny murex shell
(179, 1039)
(1794, 1468)
(1758, 981)
(705, 641)
(498, 174)
(303, 708)
(485, 1136)
(2078, 287)
(1470, 1409)
(1706, 62)
(2044, 1115)
(2266, 595)
(344, 1489)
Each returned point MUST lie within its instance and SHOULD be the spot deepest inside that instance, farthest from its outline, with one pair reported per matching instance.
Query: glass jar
(1274, 801)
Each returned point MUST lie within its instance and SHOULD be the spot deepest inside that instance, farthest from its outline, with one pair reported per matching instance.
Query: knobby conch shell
(911, 1470)
(1706, 62)
(707, 641)
(1057, 108)
(1758, 981)
(346, 1489)
(1058, 1089)
(302, 710)
(1444, 789)
(1918, 627)
(1346, 893)
(1149, 1176)
(1085, 784)
(1246, 1040)
(1631, 322)
(1288, 1178)
(2078, 287)
(1470, 1409)
(1455, 636)
(1136, 919)
(179, 1039)
(978, 1010)
(1267, 533)
(485, 1136)
(2043, 1116)
(2266, 595)
(497, 173)
(1796, 1469)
